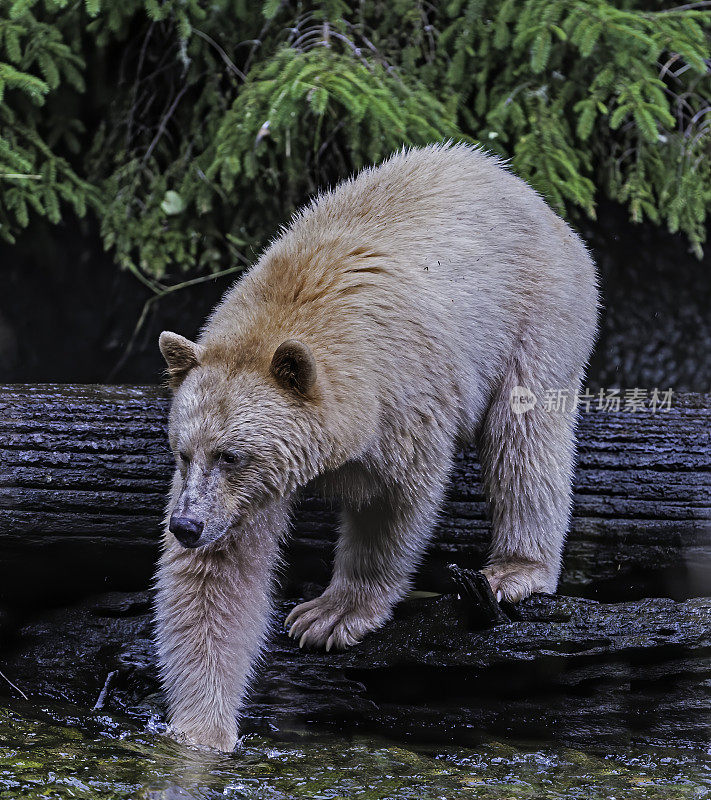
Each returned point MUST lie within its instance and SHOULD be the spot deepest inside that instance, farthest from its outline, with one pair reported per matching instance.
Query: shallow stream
(61, 752)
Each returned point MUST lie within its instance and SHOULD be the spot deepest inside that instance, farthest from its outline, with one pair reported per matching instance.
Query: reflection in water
(60, 752)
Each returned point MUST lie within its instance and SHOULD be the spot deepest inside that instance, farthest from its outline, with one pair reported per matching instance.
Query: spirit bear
(432, 300)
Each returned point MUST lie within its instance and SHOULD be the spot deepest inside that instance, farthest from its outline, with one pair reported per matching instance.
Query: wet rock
(569, 669)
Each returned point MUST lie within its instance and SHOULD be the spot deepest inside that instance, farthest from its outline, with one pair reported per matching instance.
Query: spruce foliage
(192, 130)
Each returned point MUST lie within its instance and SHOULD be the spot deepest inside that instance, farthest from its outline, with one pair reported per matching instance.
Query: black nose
(187, 530)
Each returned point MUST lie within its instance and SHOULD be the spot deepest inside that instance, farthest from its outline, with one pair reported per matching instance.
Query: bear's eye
(184, 457)
(227, 458)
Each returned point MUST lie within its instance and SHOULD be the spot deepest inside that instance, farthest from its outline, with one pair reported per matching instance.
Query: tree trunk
(84, 472)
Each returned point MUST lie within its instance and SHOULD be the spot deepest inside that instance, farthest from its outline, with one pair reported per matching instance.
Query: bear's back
(439, 253)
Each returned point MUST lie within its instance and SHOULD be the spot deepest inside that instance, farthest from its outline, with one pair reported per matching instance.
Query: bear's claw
(330, 621)
(515, 580)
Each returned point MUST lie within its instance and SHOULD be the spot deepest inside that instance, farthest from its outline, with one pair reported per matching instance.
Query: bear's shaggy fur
(395, 317)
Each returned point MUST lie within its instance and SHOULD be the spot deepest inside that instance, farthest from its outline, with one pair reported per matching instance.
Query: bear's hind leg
(527, 466)
(377, 552)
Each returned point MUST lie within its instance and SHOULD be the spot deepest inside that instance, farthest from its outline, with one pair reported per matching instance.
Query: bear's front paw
(333, 620)
(516, 579)
(218, 738)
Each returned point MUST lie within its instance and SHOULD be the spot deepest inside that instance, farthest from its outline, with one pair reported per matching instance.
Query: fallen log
(84, 471)
(569, 669)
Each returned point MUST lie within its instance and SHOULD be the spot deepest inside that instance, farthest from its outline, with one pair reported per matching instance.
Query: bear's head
(243, 434)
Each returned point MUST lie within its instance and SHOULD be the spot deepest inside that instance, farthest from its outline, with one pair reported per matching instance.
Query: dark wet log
(569, 669)
(84, 470)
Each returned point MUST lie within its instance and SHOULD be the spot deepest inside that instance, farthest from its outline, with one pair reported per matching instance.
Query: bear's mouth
(191, 545)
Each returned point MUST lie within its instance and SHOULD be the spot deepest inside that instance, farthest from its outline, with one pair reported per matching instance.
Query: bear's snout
(187, 530)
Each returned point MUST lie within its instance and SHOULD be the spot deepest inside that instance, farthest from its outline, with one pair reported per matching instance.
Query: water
(58, 752)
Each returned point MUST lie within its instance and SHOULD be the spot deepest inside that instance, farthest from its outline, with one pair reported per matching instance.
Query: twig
(237, 71)
(17, 688)
(354, 47)
(203, 279)
(214, 186)
(159, 294)
(256, 43)
(327, 141)
(686, 7)
(164, 122)
(134, 91)
(136, 330)
(665, 68)
(154, 286)
(105, 691)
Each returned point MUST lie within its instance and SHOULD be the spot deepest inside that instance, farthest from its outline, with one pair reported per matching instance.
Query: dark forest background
(148, 150)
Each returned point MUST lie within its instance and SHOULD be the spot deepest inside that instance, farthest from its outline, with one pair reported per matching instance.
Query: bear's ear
(294, 367)
(180, 354)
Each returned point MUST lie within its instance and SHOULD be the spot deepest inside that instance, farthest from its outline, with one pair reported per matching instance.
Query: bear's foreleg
(379, 548)
(212, 614)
